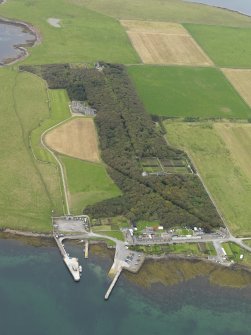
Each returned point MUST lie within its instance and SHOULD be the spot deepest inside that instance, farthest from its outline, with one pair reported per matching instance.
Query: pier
(116, 277)
(71, 262)
(86, 248)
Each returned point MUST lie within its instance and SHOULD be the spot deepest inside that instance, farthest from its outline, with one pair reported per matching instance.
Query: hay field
(77, 138)
(164, 43)
(223, 169)
(237, 138)
(241, 80)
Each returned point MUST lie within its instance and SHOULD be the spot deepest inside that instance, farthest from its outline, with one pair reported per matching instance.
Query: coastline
(219, 7)
(21, 47)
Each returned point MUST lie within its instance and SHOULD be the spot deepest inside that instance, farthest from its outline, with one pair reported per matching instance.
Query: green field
(187, 92)
(88, 183)
(168, 10)
(29, 190)
(234, 251)
(59, 111)
(226, 46)
(228, 184)
(189, 249)
(84, 36)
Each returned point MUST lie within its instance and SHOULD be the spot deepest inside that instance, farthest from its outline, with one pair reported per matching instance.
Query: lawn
(168, 10)
(223, 175)
(29, 190)
(88, 183)
(234, 251)
(226, 46)
(189, 249)
(187, 92)
(84, 36)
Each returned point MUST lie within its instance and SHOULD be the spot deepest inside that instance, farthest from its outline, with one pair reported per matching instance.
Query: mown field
(29, 190)
(85, 36)
(88, 183)
(164, 43)
(241, 80)
(226, 46)
(168, 10)
(223, 173)
(187, 92)
(76, 138)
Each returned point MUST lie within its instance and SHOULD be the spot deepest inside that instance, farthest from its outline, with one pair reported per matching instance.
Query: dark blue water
(12, 36)
(242, 6)
(38, 296)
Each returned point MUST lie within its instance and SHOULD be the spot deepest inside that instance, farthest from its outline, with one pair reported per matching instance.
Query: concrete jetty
(71, 262)
(86, 248)
(116, 277)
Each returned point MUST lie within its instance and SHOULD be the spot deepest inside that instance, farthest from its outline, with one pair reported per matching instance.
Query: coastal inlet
(14, 38)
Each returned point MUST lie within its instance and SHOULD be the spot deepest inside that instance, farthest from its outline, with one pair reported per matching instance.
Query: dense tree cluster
(127, 135)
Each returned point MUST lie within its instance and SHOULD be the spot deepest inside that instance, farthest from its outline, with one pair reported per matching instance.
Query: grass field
(59, 111)
(168, 10)
(189, 249)
(29, 190)
(187, 92)
(234, 251)
(88, 183)
(164, 43)
(221, 169)
(85, 36)
(226, 46)
(241, 80)
(76, 138)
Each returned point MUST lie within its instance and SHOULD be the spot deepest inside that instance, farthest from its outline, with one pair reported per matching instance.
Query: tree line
(127, 134)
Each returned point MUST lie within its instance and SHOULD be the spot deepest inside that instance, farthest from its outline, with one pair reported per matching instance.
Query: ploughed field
(76, 138)
(164, 43)
(222, 154)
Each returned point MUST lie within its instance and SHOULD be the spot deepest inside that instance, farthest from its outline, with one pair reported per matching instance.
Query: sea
(39, 296)
(242, 6)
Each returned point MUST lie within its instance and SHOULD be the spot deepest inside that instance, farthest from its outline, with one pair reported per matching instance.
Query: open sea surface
(39, 297)
(242, 6)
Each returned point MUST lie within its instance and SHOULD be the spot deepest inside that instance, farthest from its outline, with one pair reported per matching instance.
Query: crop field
(226, 46)
(159, 10)
(187, 92)
(84, 36)
(237, 138)
(222, 168)
(241, 80)
(164, 43)
(29, 190)
(76, 138)
(88, 183)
